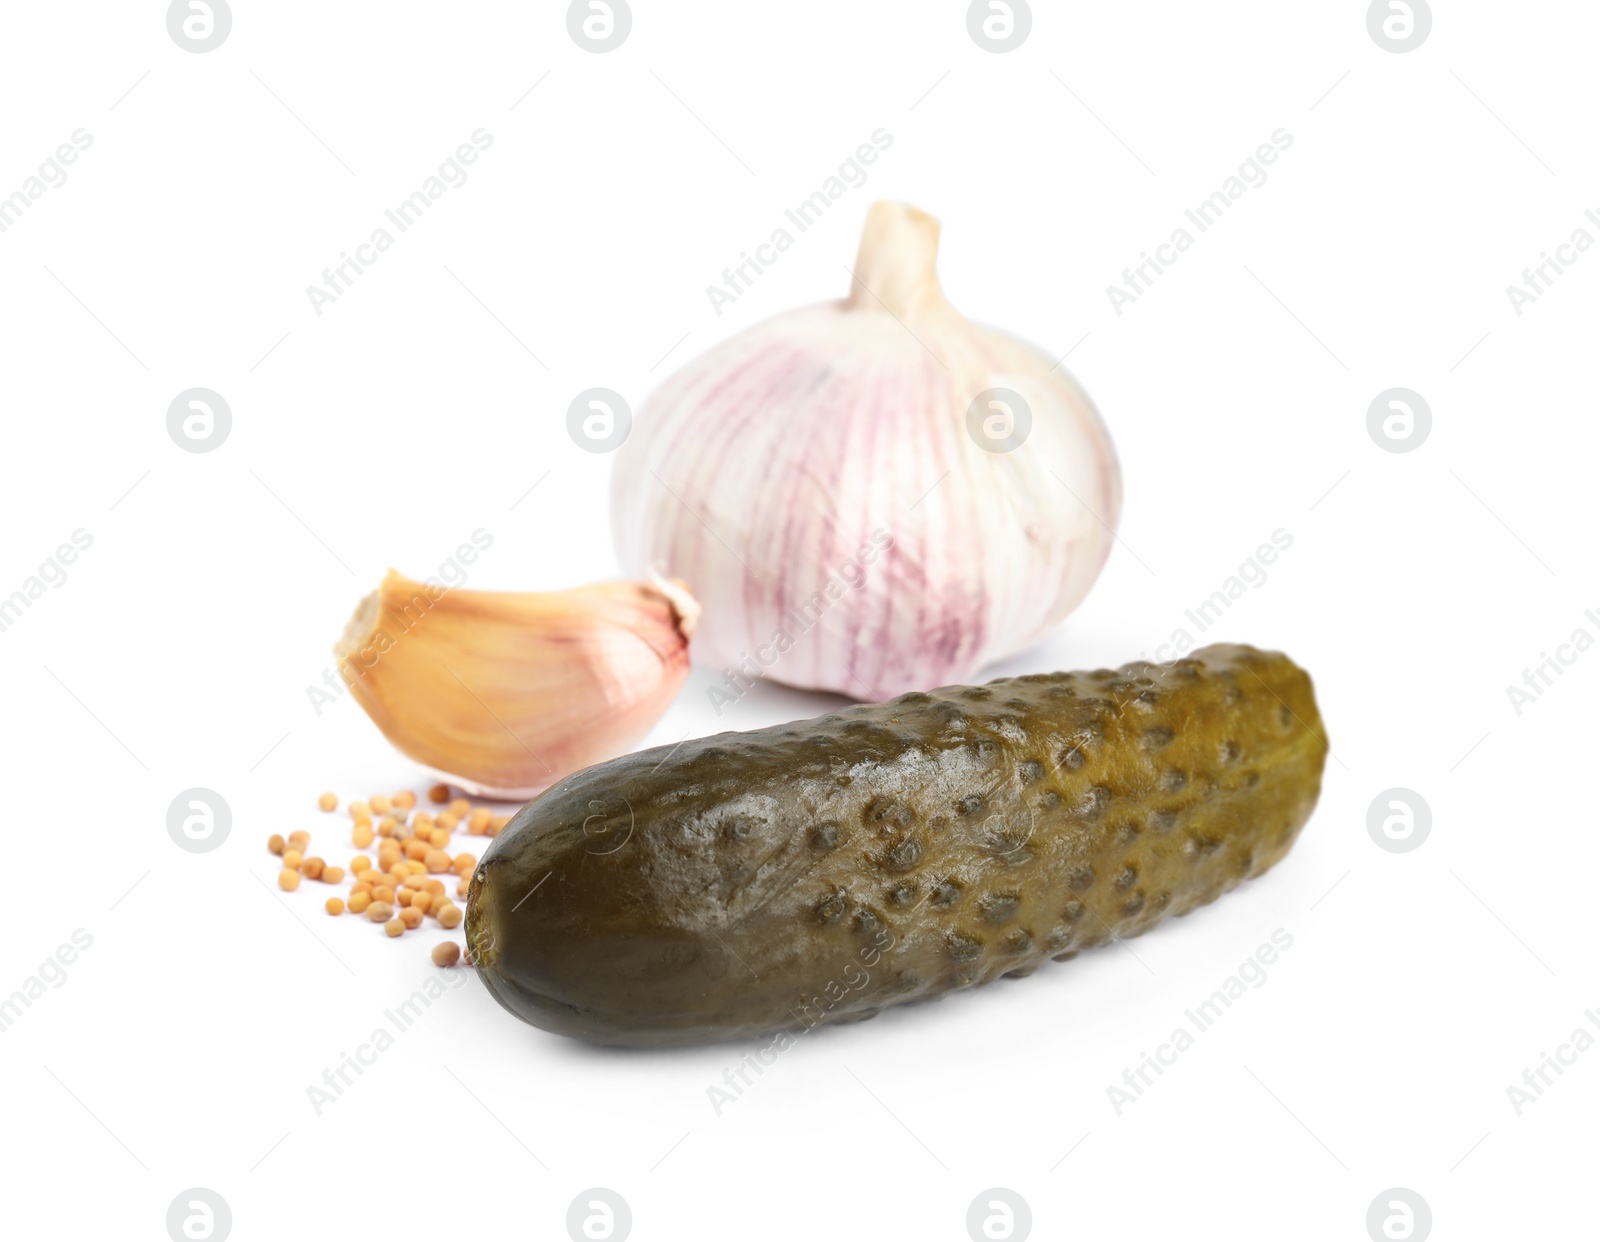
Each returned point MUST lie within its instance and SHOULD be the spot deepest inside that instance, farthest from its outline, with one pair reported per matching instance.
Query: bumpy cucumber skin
(747, 883)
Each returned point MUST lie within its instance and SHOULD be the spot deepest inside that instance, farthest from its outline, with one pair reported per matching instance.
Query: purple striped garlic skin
(817, 484)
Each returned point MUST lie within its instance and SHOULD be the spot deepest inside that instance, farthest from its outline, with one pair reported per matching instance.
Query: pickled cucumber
(819, 871)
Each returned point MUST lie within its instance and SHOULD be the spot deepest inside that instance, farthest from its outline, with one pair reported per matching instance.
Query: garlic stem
(895, 263)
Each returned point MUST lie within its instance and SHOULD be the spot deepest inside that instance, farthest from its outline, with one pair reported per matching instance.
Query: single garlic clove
(505, 693)
(849, 522)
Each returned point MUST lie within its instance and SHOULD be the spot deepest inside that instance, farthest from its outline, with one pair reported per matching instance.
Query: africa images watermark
(1536, 1081)
(1251, 175)
(404, 618)
(851, 175)
(1252, 971)
(1251, 575)
(52, 971)
(798, 620)
(1542, 676)
(338, 279)
(337, 1079)
(51, 175)
(1538, 280)
(51, 574)
(807, 1015)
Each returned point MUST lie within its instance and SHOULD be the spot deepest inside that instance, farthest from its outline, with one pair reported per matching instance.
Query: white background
(427, 401)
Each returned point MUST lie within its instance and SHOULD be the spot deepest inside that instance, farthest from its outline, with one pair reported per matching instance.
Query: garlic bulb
(505, 693)
(858, 508)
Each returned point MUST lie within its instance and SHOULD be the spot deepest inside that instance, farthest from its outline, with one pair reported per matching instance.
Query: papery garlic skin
(815, 479)
(505, 693)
